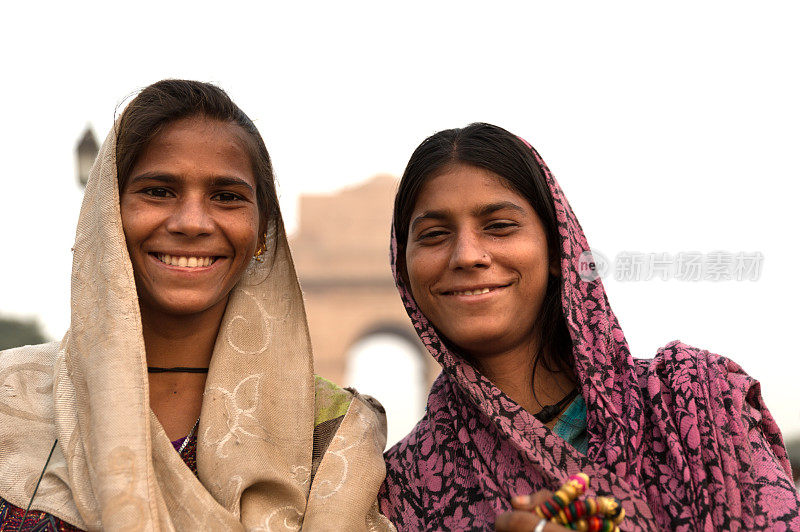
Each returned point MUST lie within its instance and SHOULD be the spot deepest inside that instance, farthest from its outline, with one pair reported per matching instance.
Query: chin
(478, 340)
(184, 304)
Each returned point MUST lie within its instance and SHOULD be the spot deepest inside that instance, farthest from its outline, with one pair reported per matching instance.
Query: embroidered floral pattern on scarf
(11, 517)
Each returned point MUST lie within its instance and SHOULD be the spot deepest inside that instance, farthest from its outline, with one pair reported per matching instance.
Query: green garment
(571, 426)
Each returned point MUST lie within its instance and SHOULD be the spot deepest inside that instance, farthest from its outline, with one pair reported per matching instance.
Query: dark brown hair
(169, 100)
(495, 149)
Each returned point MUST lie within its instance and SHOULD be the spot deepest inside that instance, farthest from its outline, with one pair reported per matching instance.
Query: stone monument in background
(360, 331)
(341, 253)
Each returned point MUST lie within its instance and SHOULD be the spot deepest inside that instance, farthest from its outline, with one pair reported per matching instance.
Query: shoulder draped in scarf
(260, 465)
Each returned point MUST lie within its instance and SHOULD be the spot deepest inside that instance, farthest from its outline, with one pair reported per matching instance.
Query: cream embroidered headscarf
(114, 467)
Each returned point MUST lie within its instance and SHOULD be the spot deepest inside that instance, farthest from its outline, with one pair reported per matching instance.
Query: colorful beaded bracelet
(600, 514)
(593, 523)
(571, 490)
(605, 507)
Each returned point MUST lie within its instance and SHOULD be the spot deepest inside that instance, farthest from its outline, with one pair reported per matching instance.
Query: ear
(555, 267)
(262, 232)
(400, 264)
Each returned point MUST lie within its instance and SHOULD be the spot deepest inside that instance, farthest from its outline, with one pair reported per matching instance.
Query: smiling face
(190, 216)
(477, 261)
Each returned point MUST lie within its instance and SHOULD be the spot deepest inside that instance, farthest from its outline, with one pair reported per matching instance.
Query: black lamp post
(86, 152)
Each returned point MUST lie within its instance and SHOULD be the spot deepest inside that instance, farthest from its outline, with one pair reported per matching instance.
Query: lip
(184, 253)
(153, 256)
(457, 291)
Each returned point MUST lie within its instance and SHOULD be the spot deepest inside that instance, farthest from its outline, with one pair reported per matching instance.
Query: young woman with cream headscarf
(537, 380)
(181, 267)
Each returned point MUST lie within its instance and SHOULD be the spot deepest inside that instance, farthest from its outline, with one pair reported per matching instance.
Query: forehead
(197, 145)
(461, 187)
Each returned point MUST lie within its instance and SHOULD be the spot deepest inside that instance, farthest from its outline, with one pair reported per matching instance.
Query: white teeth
(472, 292)
(185, 262)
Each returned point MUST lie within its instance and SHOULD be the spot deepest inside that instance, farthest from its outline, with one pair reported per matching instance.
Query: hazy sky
(672, 128)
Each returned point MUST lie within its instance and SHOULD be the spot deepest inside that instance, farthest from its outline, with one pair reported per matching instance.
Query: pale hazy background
(671, 127)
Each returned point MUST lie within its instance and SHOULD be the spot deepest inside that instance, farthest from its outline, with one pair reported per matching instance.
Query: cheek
(135, 222)
(424, 270)
(249, 240)
(536, 277)
(125, 215)
(419, 273)
(532, 256)
(246, 249)
(243, 232)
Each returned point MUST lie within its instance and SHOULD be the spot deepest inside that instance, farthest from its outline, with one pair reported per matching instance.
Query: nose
(190, 218)
(469, 252)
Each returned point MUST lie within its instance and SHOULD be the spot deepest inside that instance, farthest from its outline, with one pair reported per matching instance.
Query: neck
(513, 372)
(173, 341)
(185, 340)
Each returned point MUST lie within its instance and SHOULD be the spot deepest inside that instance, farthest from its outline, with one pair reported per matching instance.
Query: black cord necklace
(28, 509)
(549, 413)
(179, 369)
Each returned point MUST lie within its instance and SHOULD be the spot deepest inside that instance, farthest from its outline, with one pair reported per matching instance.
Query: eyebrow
(483, 210)
(152, 176)
(228, 181)
(499, 206)
(169, 179)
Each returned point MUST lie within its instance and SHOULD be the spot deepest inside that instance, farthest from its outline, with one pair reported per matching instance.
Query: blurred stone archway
(341, 252)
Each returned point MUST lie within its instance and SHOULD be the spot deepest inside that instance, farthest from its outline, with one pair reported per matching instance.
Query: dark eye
(157, 192)
(431, 235)
(226, 196)
(500, 226)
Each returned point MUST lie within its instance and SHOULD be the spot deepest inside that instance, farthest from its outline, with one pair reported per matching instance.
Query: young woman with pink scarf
(538, 383)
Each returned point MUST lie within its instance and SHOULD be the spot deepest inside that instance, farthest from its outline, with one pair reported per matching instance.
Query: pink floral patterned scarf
(683, 440)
